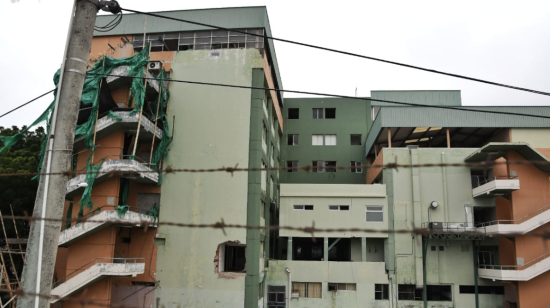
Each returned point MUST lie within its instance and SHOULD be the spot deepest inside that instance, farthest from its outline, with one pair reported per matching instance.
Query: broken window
(355, 139)
(276, 296)
(234, 259)
(381, 291)
(292, 164)
(342, 286)
(146, 201)
(330, 113)
(292, 139)
(293, 113)
(356, 167)
(375, 213)
(330, 166)
(317, 113)
(307, 289)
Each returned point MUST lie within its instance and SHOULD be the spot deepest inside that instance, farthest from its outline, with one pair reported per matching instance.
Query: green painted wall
(352, 117)
(212, 127)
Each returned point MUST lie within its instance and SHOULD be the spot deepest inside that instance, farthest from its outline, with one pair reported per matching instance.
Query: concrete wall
(352, 117)
(212, 128)
(323, 195)
(536, 137)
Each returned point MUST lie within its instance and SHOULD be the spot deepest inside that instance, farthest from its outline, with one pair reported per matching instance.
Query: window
(293, 113)
(330, 113)
(481, 290)
(355, 139)
(375, 213)
(292, 164)
(261, 291)
(330, 166)
(381, 291)
(434, 293)
(234, 259)
(276, 296)
(304, 207)
(292, 139)
(317, 113)
(356, 167)
(441, 248)
(330, 139)
(307, 289)
(316, 139)
(338, 207)
(318, 166)
(262, 210)
(342, 287)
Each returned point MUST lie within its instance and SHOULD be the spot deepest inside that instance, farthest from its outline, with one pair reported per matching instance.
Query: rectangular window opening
(330, 113)
(381, 291)
(499, 290)
(338, 207)
(276, 296)
(292, 139)
(330, 166)
(356, 167)
(316, 139)
(293, 113)
(307, 289)
(318, 166)
(375, 213)
(293, 164)
(330, 139)
(342, 287)
(234, 259)
(355, 139)
(317, 113)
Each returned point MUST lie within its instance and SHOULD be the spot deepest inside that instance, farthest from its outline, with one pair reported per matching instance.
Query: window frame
(293, 109)
(326, 114)
(339, 207)
(318, 113)
(295, 139)
(302, 207)
(292, 167)
(332, 168)
(337, 286)
(354, 168)
(316, 165)
(351, 139)
(315, 139)
(382, 290)
(329, 138)
(367, 211)
(306, 289)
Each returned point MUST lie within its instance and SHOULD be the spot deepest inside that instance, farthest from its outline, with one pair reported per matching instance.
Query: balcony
(94, 271)
(130, 167)
(119, 80)
(101, 218)
(454, 230)
(494, 186)
(523, 272)
(128, 123)
(519, 226)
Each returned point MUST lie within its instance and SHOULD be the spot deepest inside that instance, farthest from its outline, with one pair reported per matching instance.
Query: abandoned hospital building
(452, 234)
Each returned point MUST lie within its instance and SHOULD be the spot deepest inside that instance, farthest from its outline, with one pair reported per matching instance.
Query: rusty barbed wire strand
(308, 168)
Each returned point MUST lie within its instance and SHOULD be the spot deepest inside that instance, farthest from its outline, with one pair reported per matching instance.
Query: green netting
(162, 149)
(154, 211)
(111, 115)
(91, 175)
(69, 216)
(121, 210)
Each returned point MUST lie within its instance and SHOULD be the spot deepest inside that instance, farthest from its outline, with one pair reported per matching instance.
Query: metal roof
(441, 117)
(495, 150)
(425, 97)
(232, 18)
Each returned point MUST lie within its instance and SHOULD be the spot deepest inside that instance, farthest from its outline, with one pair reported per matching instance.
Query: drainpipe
(424, 255)
(475, 273)
(288, 292)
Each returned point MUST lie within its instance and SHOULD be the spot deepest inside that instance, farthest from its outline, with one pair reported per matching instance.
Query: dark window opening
(381, 291)
(434, 293)
(433, 248)
(292, 164)
(276, 296)
(330, 113)
(292, 139)
(356, 167)
(355, 139)
(293, 113)
(341, 251)
(170, 44)
(318, 166)
(304, 249)
(234, 259)
(342, 287)
(330, 166)
(481, 290)
(126, 240)
(441, 248)
(143, 283)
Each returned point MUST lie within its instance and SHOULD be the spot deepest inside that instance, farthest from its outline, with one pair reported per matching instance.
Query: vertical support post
(40, 259)
(448, 138)
(289, 249)
(17, 233)
(363, 249)
(474, 250)
(325, 249)
(9, 251)
(424, 256)
(389, 137)
(97, 111)
(155, 130)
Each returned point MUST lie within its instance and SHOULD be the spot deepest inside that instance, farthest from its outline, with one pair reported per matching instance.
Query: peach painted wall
(99, 292)
(372, 173)
(534, 293)
(100, 47)
(503, 208)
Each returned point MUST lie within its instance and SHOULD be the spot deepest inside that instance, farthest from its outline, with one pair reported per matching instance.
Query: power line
(331, 95)
(25, 104)
(346, 53)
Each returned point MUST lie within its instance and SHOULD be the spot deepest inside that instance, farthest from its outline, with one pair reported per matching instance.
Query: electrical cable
(25, 104)
(334, 95)
(111, 25)
(345, 53)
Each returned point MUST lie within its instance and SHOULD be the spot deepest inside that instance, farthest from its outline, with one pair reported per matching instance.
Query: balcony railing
(493, 186)
(478, 180)
(96, 261)
(514, 221)
(95, 212)
(516, 267)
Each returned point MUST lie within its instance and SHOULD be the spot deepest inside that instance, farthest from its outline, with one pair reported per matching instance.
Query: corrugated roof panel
(425, 97)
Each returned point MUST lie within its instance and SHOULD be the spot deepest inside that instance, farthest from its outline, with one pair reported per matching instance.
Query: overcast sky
(502, 41)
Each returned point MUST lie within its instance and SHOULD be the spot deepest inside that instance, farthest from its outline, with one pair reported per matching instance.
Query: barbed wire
(308, 168)
(221, 225)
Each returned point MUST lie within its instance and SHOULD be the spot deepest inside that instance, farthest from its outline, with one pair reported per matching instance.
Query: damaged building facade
(383, 262)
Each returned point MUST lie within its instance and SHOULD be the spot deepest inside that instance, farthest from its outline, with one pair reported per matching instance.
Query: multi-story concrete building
(474, 248)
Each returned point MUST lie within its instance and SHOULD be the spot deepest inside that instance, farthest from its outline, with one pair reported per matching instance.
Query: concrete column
(389, 137)
(325, 249)
(289, 249)
(364, 249)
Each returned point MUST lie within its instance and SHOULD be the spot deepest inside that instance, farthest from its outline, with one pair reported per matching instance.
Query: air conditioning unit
(436, 225)
(155, 66)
